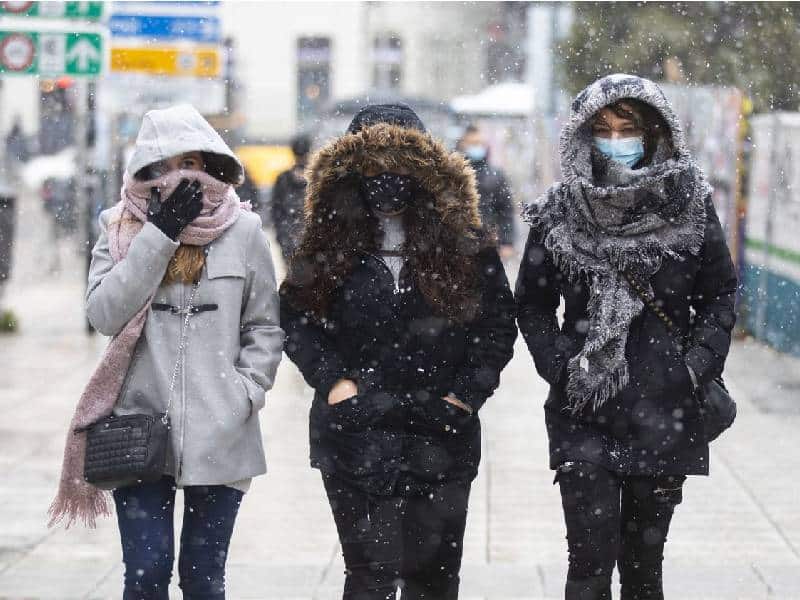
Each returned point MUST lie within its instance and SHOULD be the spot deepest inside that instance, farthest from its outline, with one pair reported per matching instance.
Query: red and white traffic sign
(17, 7)
(17, 51)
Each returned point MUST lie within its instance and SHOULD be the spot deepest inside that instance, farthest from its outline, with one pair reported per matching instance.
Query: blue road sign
(197, 29)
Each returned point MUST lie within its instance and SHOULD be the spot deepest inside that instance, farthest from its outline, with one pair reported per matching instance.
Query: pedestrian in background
(496, 205)
(182, 277)
(16, 146)
(398, 313)
(288, 198)
(622, 417)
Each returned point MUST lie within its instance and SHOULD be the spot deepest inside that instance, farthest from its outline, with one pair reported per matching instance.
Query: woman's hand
(458, 403)
(341, 391)
(180, 209)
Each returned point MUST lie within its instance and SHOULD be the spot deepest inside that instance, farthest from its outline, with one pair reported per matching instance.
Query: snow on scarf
(77, 499)
(624, 220)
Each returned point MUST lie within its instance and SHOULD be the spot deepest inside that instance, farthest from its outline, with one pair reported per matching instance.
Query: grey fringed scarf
(604, 218)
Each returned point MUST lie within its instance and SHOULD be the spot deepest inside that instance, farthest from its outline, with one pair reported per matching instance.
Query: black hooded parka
(398, 435)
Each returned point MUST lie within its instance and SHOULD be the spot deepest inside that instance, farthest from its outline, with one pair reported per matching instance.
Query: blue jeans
(145, 516)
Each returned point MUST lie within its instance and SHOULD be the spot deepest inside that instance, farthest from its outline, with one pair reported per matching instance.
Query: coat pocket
(223, 261)
(363, 411)
(358, 440)
(435, 416)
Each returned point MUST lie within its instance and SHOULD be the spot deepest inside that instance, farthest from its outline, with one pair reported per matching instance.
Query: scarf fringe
(579, 397)
(552, 218)
(85, 504)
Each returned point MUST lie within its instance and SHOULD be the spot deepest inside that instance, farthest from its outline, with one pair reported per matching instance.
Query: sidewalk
(737, 534)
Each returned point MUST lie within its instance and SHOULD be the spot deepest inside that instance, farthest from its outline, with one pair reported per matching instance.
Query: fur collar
(446, 176)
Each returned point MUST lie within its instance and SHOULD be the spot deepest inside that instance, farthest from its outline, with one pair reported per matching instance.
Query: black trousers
(413, 543)
(616, 520)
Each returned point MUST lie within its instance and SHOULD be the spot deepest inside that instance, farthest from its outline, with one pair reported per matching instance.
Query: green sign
(51, 54)
(90, 11)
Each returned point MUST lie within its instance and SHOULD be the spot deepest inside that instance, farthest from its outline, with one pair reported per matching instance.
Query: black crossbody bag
(717, 407)
(131, 449)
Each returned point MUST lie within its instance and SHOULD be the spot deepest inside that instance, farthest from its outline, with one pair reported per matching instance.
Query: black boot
(591, 588)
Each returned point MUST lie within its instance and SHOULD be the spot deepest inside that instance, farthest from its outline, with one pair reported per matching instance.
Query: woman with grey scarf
(622, 417)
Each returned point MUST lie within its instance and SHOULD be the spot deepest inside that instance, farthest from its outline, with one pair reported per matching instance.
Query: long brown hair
(443, 230)
(186, 265)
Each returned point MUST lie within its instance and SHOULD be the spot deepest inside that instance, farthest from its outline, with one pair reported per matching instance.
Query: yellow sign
(264, 163)
(175, 62)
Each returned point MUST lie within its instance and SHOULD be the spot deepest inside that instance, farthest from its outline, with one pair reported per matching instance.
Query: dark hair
(301, 144)
(449, 281)
(645, 117)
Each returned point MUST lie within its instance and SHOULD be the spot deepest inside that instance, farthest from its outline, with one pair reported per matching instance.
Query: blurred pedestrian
(8, 225)
(622, 416)
(182, 277)
(401, 320)
(496, 204)
(288, 198)
(16, 145)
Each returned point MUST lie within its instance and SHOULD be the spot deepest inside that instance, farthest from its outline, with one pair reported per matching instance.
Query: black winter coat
(286, 209)
(398, 435)
(653, 425)
(496, 205)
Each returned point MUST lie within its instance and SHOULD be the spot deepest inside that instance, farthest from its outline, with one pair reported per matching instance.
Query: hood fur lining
(446, 176)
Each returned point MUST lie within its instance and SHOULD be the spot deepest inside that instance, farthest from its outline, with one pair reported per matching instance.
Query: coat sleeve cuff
(328, 380)
(702, 362)
(153, 246)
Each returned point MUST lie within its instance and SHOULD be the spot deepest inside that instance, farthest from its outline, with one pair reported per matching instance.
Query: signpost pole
(81, 162)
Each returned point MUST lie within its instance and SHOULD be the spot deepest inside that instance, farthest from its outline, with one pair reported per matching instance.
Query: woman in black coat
(622, 418)
(398, 313)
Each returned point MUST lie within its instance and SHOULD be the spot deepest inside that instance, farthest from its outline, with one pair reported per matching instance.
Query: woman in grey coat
(182, 251)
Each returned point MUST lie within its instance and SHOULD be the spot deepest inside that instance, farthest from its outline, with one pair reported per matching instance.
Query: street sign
(51, 54)
(205, 29)
(89, 11)
(170, 61)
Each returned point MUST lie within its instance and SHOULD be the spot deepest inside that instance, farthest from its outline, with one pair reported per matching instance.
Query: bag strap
(649, 301)
(184, 334)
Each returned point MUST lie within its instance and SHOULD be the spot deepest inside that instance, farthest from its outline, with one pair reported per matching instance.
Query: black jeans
(616, 520)
(413, 543)
(145, 516)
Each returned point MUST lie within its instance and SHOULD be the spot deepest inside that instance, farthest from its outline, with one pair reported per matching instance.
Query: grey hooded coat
(232, 347)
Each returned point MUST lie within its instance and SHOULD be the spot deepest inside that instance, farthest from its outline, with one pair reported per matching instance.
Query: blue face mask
(475, 152)
(627, 151)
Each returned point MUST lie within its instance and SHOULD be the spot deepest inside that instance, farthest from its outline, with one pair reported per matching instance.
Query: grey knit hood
(178, 129)
(576, 137)
(626, 220)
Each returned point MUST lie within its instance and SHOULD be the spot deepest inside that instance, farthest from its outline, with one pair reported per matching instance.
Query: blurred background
(77, 77)
(75, 80)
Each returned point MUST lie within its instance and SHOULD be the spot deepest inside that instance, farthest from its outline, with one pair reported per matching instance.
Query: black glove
(180, 209)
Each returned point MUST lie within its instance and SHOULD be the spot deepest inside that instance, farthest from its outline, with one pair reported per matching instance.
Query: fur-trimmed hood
(443, 228)
(446, 176)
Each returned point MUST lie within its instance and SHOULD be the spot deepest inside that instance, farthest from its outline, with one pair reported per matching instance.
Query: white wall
(19, 96)
(443, 54)
(266, 35)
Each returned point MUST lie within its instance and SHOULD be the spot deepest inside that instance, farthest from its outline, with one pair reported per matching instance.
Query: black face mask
(388, 193)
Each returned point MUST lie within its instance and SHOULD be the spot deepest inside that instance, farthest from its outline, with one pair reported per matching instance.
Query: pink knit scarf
(77, 499)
